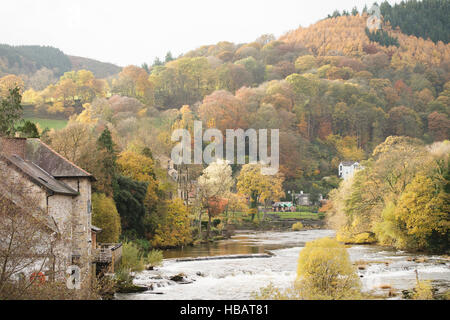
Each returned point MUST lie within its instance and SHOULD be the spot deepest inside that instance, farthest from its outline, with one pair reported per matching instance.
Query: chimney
(13, 146)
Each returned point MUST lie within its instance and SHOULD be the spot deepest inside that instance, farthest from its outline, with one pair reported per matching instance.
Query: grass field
(48, 123)
(298, 215)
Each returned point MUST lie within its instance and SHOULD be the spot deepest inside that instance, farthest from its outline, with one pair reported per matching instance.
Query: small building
(305, 199)
(348, 168)
(63, 195)
(283, 207)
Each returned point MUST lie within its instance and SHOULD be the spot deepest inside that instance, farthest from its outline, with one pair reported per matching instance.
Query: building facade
(348, 168)
(62, 193)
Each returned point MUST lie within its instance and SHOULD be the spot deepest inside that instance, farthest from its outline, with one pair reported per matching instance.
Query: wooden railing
(109, 253)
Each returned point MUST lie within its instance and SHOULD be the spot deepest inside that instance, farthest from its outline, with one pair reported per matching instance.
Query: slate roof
(39, 176)
(52, 162)
(96, 229)
(348, 163)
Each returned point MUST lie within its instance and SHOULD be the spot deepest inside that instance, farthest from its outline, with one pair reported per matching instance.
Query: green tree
(132, 258)
(10, 112)
(129, 196)
(28, 130)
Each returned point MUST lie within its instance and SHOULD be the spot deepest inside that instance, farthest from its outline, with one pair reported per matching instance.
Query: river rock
(178, 278)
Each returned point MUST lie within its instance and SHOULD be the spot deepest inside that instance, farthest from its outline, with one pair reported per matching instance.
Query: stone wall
(81, 218)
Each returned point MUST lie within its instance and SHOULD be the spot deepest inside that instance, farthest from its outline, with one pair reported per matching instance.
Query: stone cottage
(63, 192)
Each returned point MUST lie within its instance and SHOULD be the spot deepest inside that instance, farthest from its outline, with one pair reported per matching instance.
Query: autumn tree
(223, 111)
(439, 126)
(423, 212)
(258, 187)
(404, 121)
(215, 183)
(174, 226)
(325, 272)
(133, 82)
(106, 217)
(10, 82)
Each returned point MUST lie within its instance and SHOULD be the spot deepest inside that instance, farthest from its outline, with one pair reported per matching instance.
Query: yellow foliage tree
(175, 227)
(423, 210)
(325, 272)
(106, 217)
(140, 168)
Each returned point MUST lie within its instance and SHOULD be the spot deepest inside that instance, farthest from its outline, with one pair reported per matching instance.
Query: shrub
(155, 258)
(132, 259)
(325, 272)
(365, 238)
(307, 208)
(423, 291)
(297, 226)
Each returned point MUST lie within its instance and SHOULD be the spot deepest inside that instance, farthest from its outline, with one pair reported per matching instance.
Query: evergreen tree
(10, 112)
(28, 130)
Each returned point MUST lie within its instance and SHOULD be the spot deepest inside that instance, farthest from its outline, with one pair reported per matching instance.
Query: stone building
(63, 193)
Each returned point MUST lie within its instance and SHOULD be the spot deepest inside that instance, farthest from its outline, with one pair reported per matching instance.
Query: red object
(40, 277)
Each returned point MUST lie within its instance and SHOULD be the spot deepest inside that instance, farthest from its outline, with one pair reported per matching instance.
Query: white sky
(136, 31)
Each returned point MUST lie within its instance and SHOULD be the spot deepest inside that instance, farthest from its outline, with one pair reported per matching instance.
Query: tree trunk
(209, 225)
(200, 224)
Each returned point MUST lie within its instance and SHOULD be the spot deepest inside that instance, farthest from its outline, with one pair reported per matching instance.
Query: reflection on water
(246, 242)
(238, 279)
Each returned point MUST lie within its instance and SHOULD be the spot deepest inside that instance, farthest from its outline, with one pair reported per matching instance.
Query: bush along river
(237, 267)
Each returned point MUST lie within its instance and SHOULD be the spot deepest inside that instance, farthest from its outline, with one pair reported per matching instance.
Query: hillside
(333, 90)
(29, 59)
(39, 66)
(99, 69)
(428, 19)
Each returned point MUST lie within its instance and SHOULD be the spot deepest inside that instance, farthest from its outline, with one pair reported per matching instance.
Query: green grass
(297, 215)
(48, 123)
(282, 215)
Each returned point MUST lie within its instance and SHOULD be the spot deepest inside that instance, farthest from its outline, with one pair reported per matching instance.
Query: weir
(237, 256)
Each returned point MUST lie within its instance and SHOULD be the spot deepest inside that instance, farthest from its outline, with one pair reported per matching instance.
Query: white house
(348, 168)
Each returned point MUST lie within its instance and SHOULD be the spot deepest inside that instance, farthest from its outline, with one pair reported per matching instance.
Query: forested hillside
(29, 59)
(99, 69)
(39, 66)
(425, 19)
(334, 94)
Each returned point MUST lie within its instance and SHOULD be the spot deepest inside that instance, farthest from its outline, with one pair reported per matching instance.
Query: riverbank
(272, 222)
(384, 272)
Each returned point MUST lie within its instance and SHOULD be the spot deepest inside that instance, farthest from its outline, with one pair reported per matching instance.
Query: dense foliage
(401, 197)
(40, 66)
(425, 19)
(334, 91)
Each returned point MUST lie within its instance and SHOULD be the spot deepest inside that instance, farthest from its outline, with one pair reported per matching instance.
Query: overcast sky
(137, 31)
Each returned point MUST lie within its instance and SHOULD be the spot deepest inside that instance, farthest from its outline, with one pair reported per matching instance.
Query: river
(239, 278)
